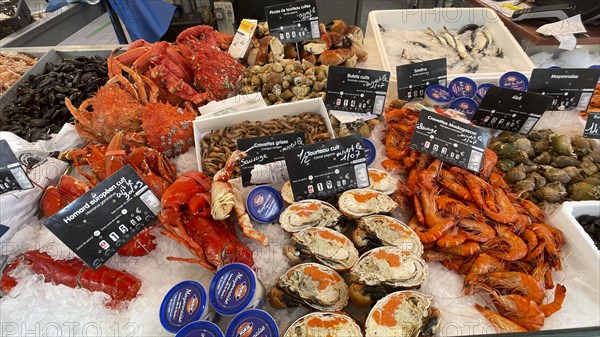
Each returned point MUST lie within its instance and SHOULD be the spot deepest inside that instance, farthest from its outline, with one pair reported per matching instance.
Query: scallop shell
(391, 267)
(382, 181)
(363, 201)
(403, 313)
(317, 286)
(309, 213)
(287, 193)
(324, 324)
(387, 231)
(326, 246)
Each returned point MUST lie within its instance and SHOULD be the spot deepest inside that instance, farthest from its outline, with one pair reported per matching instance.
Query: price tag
(449, 140)
(12, 174)
(512, 110)
(327, 168)
(355, 90)
(592, 126)
(413, 78)
(242, 38)
(265, 150)
(98, 223)
(569, 88)
(293, 21)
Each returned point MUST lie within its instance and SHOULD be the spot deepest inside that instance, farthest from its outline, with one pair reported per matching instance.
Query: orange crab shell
(167, 128)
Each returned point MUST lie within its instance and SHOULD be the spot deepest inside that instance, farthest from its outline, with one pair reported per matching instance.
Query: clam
(382, 181)
(324, 245)
(310, 213)
(362, 202)
(403, 313)
(310, 284)
(383, 270)
(381, 230)
(324, 324)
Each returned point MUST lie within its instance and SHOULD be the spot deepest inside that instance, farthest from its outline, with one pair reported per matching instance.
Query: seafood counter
(425, 248)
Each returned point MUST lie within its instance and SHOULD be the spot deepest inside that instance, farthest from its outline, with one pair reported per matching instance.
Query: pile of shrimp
(474, 224)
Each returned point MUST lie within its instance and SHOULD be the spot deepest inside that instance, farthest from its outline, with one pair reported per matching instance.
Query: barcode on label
(151, 201)
(314, 29)
(475, 160)
(584, 100)
(528, 125)
(362, 175)
(378, 106)
(21, 178)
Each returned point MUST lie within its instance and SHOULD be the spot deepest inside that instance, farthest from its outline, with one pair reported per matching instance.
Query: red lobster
(119, 285)
(186, 218)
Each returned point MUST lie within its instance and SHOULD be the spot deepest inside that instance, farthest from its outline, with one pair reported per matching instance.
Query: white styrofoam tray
(204, 125)
(437, 18)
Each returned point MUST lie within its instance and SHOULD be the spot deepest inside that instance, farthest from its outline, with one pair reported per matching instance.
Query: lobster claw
(222, 200)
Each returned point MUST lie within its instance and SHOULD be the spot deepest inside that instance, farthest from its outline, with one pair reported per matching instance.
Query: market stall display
(365, 261)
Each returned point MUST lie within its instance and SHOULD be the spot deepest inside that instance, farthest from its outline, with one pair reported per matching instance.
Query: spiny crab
(134, 109)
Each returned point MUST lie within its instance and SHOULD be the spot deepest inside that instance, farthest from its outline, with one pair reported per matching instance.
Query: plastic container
(186, 302)
(235, 288)
(465, 105)
(370, 151)
(482, 90)
(438, 96)
(200, 328)
(253, 323)
(264, 204)
(514, 80)
(463, 87)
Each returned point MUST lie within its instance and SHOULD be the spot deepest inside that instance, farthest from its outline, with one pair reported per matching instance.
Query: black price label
(356, 90)
(104, 219)
(569, 88)
(414, 78)
(592, 126)
(327, 168)
(512, 110)
(293, 21)
(449, 140)
(264, 150)
(12, 174)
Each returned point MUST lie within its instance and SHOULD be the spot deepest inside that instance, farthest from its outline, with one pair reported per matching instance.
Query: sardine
(479, 40)
(449, 38)
(420, 44)
(467, 27)
(407, 57)
(487, 34)
(442, 41)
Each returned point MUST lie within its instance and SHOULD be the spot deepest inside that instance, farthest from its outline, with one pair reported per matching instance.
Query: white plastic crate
(437, 18)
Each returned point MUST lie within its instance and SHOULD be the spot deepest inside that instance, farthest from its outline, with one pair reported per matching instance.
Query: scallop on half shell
(383, 270)
(382, 181)
(323, 324)
(324, 245)
(403, 313)
(310, 213)
(310, 284)
(381, 230)
(363, 201)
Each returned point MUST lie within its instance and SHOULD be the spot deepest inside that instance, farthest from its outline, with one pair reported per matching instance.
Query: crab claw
(280, 300)
(363, 295)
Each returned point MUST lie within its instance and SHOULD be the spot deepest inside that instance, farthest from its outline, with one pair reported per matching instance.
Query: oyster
(382, 181)
(362, 202)
(403, 313)
(324, 324)
(383, 270)
(324, 245)
(310, 213)
(381, 230)
(311, 284)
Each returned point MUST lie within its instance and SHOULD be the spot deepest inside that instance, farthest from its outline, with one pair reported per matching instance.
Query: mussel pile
(546, 167)
(591, 225)
(39, 109)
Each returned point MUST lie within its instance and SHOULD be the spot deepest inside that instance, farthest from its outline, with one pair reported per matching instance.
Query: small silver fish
(449, 38)
(408, 58)
(440, 39)
(479, 40)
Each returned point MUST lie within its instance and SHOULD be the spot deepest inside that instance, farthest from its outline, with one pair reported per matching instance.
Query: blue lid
(264, 204)
(200, 328)
(555, 67)
(370, 152)
(250, 322)
(463, 87)
(465, 105)
(232, 288)
(595, 66)
(184, 303)
(482, 90)
(439, 93)
(514, 80)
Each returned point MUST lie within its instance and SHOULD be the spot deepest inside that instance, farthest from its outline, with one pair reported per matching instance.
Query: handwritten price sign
(592, 127)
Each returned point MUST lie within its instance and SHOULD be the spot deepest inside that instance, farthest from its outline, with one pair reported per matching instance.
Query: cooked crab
(362, 202)
(310, 213)
(380, 230)
(324, 245)
(329, 324)
(382, 181)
